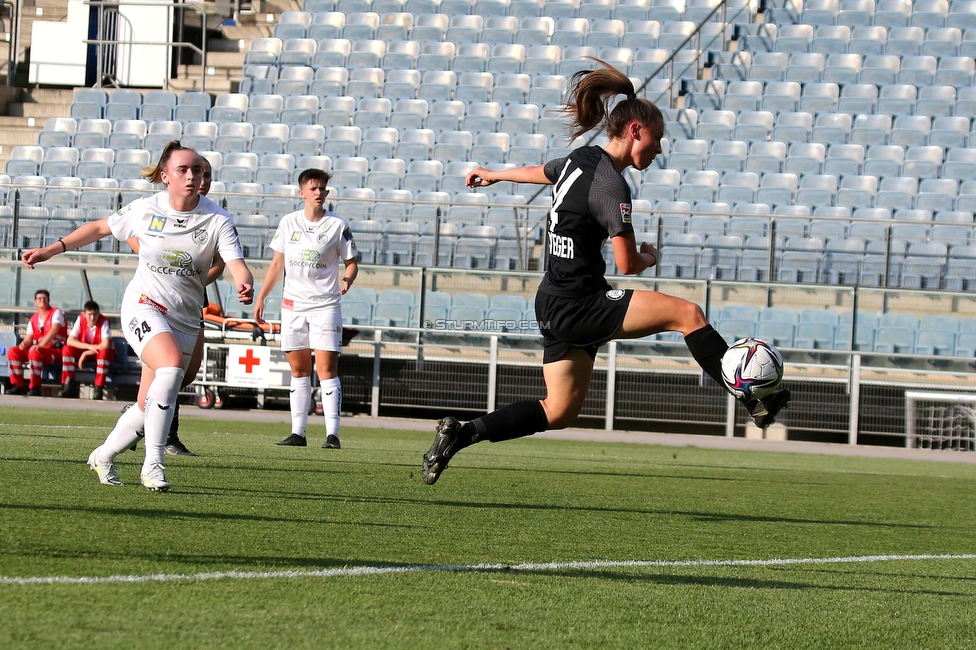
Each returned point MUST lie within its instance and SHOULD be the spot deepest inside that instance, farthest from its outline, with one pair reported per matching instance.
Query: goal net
(936, 420)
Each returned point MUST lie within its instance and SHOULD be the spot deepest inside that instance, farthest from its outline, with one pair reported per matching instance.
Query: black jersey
(590, 203)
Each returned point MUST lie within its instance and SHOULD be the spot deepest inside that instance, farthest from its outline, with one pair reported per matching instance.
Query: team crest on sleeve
(199, 236)
(615, 294)
(625, 212)
(157, 223)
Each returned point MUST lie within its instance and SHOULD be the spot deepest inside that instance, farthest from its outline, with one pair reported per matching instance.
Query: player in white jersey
(174, 445)
(179, 233)
(309, 246)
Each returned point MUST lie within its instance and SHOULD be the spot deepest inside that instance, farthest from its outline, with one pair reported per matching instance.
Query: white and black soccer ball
(752, 368)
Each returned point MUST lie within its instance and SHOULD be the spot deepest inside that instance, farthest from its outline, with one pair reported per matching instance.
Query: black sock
(513, 421)
(174, 428)
(708, 347)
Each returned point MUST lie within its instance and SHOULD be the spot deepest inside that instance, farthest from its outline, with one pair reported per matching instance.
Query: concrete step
(193, 72)
(7, 121)
(246, 32)
(12, 137)
(39, 111)
(214, 85)
(225, 59)
(50, 95)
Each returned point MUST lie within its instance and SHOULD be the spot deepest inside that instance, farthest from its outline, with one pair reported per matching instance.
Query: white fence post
(377, 344)
(854, 388)
(492, 371)
(730, 403)
(611, 384)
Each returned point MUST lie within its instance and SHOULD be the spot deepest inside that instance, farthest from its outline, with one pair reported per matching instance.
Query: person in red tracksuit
(91, 337)
(41, 345)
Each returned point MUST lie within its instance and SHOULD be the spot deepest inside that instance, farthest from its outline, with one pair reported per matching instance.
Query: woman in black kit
(576, 308)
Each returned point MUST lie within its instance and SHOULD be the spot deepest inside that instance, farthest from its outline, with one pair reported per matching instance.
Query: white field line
(471, 568)
(53, 426)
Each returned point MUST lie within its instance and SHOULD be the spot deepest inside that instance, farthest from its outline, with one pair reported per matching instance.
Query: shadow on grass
(158, 514)
(740, 583)
(886, 574)
(354, 466)
(227, 562)
(712, 517)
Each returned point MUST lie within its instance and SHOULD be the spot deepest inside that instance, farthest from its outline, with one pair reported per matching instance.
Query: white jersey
(314, 254)
(90, 330)
(176, 250)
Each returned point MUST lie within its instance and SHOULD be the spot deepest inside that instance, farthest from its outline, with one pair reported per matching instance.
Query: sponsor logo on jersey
(307, 259)
(615, 294)
(287, 303)
(123, 210)
(296, 235)
(199, 236)
(157, 223)
(174, 262)
(179, 222)
(625, 212)
(181, 259)
(146, 300)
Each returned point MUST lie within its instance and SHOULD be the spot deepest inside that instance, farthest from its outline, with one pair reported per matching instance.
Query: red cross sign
(248, 365)
(249, 361)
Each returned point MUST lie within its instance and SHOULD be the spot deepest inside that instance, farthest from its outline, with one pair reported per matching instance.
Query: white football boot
(106, 471)
(154, 478)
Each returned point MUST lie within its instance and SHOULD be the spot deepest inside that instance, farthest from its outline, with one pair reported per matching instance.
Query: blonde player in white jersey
(179, 233)
(308, 246)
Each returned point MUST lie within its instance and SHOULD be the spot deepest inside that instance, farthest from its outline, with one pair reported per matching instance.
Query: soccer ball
(752, 368)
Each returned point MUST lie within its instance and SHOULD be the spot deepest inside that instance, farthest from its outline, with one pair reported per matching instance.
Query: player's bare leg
(651, 312)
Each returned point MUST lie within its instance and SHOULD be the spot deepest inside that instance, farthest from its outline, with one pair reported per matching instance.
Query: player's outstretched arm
(243, 280)
(630, 260)
(82, 236)
(270, 280)
(482, 177)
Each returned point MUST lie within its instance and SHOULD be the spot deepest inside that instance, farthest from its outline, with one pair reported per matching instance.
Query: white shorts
(312, 330)
(141, 323)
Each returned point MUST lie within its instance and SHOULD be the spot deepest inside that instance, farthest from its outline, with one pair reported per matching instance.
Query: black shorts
(585, 323)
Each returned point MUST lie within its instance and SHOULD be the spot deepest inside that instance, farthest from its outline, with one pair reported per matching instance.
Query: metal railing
(13, 44)
(105, 42)
(849, 394)
(528, 222)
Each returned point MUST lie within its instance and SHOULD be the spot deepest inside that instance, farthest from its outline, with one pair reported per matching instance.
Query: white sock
(331, 403)
(300, 398)
(126, 432)
(159, 411)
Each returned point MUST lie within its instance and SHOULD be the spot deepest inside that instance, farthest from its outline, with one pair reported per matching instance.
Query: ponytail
(153, 173)
(591, 93)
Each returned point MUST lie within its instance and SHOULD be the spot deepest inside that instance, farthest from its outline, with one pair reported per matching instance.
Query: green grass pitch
(248, 513)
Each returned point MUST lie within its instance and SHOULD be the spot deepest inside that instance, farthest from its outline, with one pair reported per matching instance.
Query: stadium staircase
(24, 108)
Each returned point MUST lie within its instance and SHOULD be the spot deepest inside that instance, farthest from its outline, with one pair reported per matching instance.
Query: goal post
(937, 420)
